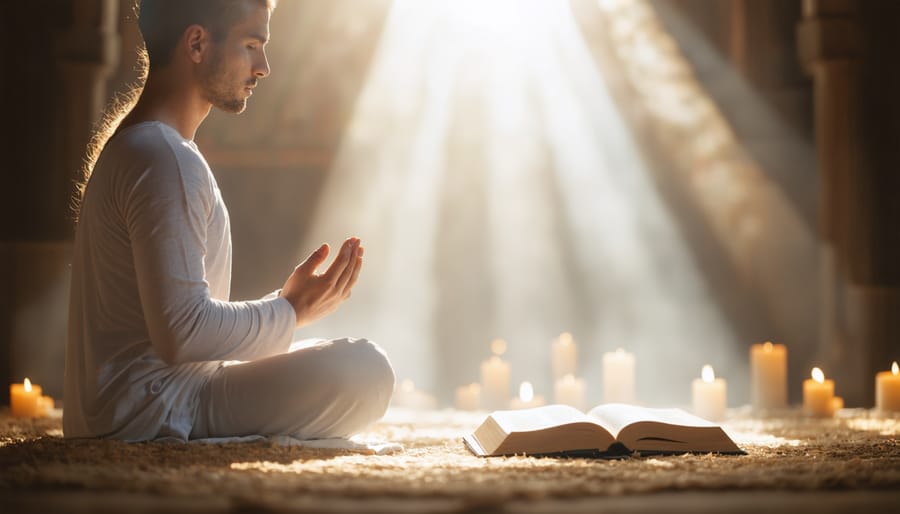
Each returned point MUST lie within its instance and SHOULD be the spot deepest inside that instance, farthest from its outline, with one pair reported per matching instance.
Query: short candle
(569, 391)
(563, 356)
(768, 376)
(25, 400)
(887, 390)
(527, 399)
(709, 395)
(818, 395)
(495, 378)
(468, 397)
(618, 377)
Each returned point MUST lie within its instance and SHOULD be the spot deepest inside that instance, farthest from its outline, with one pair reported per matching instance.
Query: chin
(234, 106)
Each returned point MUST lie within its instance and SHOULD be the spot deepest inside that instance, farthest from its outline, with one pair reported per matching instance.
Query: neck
(168, 98)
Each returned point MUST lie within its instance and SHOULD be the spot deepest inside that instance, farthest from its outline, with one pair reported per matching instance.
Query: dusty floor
(792, 463)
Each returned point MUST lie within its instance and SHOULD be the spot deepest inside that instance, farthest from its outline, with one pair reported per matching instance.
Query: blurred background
(678, 178)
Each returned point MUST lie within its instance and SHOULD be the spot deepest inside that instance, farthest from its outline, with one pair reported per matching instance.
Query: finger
(348, 271)
(355, 275)
(342, 260)
(316, 258)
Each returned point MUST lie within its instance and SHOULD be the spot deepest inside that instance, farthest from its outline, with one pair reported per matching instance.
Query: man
(151, 327)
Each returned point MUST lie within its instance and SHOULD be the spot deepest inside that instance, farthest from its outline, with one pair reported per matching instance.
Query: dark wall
(33, 205)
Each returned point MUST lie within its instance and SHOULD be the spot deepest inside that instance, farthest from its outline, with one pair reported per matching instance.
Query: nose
(261, 66)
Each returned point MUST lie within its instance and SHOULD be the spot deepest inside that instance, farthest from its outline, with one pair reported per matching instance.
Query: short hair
(163, 22)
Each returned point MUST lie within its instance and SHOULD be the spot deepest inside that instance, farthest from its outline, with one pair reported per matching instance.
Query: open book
(610, 429)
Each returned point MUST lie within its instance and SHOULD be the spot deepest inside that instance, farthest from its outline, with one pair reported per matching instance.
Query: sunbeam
(499, 193)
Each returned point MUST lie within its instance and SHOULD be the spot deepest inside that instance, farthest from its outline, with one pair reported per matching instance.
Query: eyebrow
(259, 37)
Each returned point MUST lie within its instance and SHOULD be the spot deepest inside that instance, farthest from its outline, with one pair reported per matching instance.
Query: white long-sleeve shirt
(149, 312)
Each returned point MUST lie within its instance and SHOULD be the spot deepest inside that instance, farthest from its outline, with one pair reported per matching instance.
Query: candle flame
(565, 338)
(27, 385)
(818, 376)
(767, 347)
(498, 346)
(619, 351)
(475, 387)
(708, 374)
(407, 386)
(569, 378)
(526, 392)
(894, 369)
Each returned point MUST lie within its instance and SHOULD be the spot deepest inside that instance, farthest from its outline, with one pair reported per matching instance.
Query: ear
(196, 40)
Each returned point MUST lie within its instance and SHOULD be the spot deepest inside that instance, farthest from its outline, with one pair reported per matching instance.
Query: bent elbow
(168, 353)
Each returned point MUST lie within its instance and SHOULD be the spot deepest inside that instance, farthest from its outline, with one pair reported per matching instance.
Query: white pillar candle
(709, 395)
(818, 395)
(527, 399)
(468, 397)
(618, 377)
(495, 378)
(569, 391)
(768, 376)
(887, 390)
(563, 356)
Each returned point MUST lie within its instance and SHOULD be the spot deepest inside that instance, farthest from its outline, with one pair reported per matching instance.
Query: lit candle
(24, 400)
(618, 377)
(570, 391)
(495, 378)
(768, 376)
(709, 395)
(527, 398)
(818, 395)
(887, 390)
(409, 397)
(837, 403)
(468, 397)
(563, 356)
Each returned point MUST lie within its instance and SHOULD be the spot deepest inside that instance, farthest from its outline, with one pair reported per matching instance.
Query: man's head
(222, 40)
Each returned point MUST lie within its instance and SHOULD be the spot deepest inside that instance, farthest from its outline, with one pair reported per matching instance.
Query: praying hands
(315, 295)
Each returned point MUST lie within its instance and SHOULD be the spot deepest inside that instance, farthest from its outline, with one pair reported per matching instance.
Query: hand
(314, 295)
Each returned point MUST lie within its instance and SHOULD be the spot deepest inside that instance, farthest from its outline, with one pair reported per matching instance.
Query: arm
(167, 211)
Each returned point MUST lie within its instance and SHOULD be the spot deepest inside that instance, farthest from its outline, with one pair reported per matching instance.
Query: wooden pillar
(37, 258)
(88, 53)
(861, 304)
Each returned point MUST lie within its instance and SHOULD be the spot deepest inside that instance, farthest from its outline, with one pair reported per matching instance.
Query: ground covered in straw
(856, 451)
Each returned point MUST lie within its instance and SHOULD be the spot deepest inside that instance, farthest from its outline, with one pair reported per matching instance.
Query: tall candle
(468, 397)
(495, 378)
(618, 377)
(887, 390)
(709, 395)
(818, 395)
(570, 391)
(768, 376)
(563, 356)
(527, 399)
(25, 400)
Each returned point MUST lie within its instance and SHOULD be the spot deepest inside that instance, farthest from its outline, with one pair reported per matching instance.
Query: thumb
(314, 260)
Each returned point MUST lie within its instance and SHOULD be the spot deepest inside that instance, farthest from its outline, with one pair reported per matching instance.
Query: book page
(616, 416)
(539, 418)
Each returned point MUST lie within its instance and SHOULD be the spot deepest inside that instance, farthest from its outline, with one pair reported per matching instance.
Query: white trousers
(328, 389)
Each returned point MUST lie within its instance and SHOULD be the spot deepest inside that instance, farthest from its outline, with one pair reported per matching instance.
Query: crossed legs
(330, 389)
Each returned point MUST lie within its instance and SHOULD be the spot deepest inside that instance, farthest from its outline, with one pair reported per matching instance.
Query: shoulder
(151, 164)
(154, 143)
(152, 152)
